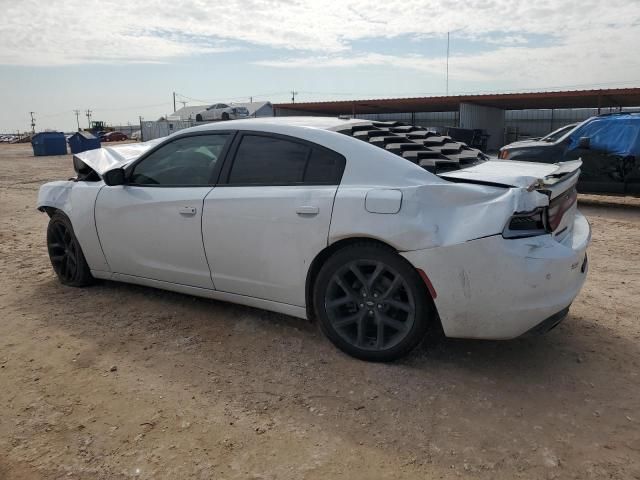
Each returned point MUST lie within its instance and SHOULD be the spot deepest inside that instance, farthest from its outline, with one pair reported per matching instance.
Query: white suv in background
(222, 111)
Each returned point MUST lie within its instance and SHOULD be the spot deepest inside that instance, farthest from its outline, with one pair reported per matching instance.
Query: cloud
(585, 39)
(579, 62)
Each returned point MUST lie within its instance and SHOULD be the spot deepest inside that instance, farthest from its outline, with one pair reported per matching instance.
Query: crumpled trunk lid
(529, 175)
(556, 180)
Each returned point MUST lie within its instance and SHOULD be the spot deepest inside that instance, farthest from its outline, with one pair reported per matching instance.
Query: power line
(447, 64)
(77, 112)
(135, 107)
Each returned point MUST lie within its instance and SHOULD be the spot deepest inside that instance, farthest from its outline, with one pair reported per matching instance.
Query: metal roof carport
(485, 112)
(607, 98)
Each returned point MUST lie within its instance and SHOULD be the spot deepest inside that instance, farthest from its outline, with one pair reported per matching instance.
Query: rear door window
(263, 160)
(269, 160)
(325, 167)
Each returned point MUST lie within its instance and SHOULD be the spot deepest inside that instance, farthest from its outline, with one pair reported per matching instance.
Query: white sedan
(222, 111)
(343, 221)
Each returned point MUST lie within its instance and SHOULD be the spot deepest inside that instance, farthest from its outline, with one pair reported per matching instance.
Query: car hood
(508, 173)
(103, 159)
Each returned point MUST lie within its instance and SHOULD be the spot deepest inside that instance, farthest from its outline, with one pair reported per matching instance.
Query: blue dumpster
(83, 141)
(49, 143)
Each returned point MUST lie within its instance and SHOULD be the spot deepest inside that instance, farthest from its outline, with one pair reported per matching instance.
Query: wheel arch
(327, 252)
(50, 211)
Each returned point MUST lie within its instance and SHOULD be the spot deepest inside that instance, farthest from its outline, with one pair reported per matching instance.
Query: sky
(123, 60)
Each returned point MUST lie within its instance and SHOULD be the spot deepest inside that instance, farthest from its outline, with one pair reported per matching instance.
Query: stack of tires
(432, 151)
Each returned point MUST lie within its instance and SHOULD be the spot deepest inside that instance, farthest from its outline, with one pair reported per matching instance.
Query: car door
(632, 177)
(600, 172)
(217, 111)
(269, 216)
(151, 226)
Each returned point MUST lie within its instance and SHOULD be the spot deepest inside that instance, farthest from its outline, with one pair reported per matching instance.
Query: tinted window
(185, 161)
(264, 160)
(324, 167)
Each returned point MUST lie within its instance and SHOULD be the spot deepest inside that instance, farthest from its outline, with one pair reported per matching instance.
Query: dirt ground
(119, 381)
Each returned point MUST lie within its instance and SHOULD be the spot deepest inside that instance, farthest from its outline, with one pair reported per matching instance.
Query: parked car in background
(222, 111)
(608, 145)
(381, 231)
(137, 135)
(113, 137)
(549, 138)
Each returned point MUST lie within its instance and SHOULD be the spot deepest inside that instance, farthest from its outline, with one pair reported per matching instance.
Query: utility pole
(447, 64)
(293, 96)
(77, 112)
(250, 99)
(174, 102)
(33, 122)
(88, 114)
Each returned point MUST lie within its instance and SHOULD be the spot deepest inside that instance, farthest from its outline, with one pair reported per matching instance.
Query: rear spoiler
(564, 171)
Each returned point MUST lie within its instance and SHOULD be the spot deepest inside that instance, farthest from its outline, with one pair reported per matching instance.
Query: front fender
(55, 195)
(77, 201)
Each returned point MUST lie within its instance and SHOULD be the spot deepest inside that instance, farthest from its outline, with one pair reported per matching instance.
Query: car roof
(321, 123)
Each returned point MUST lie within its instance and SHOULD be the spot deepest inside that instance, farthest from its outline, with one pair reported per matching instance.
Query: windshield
(559, 133)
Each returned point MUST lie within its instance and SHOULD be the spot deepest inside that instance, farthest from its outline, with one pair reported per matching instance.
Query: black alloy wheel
(65, 253)
(372, 303)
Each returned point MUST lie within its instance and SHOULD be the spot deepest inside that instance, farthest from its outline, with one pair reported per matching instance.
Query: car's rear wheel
(65, 253)
(371, 303)
(198, 118)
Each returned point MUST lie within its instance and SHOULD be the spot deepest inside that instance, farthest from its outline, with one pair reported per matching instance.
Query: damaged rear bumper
(496, 288)
(548, 324)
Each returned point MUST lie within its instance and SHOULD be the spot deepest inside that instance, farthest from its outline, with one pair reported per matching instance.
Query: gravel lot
(119, 381)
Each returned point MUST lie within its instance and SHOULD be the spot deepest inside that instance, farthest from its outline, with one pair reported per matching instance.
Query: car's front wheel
(371, 303)
(225, 116)
(65, 253)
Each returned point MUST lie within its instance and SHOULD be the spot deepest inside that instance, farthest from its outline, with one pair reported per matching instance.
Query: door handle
(307, 210)
(188, 211)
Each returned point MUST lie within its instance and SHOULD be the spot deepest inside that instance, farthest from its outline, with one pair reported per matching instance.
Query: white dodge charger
(383, 232)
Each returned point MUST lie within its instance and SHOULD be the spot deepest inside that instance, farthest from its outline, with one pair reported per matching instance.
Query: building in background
(186, 117)
(498, 118)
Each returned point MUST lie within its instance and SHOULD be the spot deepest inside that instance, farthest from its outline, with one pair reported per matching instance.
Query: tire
(371, 303)
(65, 253)
(198, 118)
(225, 116)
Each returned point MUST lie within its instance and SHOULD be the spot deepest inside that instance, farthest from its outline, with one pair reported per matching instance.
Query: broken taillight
(559, 206)
(527, 224)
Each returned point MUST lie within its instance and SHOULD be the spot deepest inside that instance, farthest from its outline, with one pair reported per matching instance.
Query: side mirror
(114, 177)
(584, 142)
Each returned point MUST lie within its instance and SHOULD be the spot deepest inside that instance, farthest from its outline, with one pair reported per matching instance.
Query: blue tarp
(614, 134)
